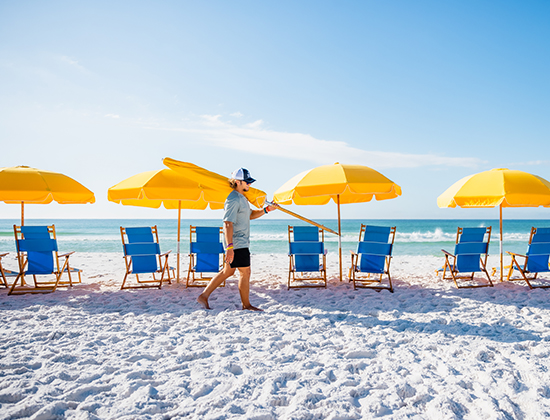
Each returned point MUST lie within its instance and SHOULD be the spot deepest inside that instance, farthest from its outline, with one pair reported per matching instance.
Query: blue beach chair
(206, 255)
(470, 257)
(373, 257)
(535, 259)
(37, 255)
(5, 273)
(307, 256)
(142, 256)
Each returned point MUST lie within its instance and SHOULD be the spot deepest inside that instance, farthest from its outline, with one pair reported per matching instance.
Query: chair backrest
(39, 244)
(471, 247)
(375, 244)
(539, 235)
(141, 245)
(476, 234)
(538, 250)
(140, 234)
(207, 247)
(306, 247)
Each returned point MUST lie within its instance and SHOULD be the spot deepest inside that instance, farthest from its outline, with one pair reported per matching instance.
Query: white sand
(428, 351)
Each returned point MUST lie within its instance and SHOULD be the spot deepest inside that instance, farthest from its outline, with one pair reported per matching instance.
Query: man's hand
(229, 255)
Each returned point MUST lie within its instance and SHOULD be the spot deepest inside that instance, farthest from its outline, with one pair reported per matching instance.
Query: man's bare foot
(203, 301)
(252, 308)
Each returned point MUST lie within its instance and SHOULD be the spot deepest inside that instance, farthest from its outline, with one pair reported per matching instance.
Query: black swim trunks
(241, 258)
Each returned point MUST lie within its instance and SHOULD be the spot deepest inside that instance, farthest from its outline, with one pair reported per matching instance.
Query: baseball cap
(242, 174)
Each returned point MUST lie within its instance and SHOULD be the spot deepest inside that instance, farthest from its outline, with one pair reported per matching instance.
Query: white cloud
(112, 116)
(255, 124)
(237, 114)
(212, 120)
(253, 138)
(531, 163)
(74, 64)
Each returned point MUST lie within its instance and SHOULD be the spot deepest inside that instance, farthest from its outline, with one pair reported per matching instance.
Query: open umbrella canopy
(216, 183)
(346, 183)
(29, 185)
(497, 187)
(164, 187)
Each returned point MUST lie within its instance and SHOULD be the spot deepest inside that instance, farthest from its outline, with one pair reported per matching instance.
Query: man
(236, 226)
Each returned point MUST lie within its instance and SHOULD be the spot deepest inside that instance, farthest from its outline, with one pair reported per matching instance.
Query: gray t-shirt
(238, 212)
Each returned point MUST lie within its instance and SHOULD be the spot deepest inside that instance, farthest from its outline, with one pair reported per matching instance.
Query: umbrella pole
(501, 262)
(22, 213)
(301, 217)
(179, 229)
(339, 236)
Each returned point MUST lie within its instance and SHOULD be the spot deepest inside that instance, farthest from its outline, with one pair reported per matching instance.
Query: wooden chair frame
(365, 280)
(451, 265)
(41, 286)
(163, 270)
(523, 271)
(202, 280)
(5, 273)
(305, 278)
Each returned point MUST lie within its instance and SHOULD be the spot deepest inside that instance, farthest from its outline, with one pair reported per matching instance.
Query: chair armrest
(516, 255)
(165, 254)
(353, 253)
(3, 255)
(448, 253)
(66, 255)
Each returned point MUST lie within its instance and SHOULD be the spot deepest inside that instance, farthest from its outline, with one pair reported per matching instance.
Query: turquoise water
(414, 237)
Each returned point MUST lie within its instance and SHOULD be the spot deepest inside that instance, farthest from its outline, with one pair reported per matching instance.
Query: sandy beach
(427, 351)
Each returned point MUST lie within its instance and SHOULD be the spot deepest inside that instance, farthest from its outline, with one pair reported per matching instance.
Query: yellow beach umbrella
(164, 187)
(22, 184)
(497, 187)
(343, 184)
(168, 188)
(217, 184)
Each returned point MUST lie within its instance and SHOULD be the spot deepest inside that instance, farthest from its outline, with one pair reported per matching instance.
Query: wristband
(265, 210)
(229, 246)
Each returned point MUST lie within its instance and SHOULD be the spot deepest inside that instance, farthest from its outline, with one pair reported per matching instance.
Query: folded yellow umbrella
(343, 184)
(22, 184)
(497, 187)
(217, 183)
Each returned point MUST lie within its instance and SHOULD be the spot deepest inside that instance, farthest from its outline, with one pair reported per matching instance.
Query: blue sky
(426, 92)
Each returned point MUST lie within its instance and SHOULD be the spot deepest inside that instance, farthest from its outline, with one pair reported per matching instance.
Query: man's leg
(244, 288)
(213, 285)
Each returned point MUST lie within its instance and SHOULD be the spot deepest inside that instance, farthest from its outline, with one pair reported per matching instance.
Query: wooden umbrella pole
(300, 217)
(339, 236)
(22, 213)
(501, 262)
(179, 228)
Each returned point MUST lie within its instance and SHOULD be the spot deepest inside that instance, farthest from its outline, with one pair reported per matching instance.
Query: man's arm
(228, 232)
(254, 214)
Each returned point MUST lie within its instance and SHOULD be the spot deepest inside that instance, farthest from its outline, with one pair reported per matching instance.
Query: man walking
(236, 226)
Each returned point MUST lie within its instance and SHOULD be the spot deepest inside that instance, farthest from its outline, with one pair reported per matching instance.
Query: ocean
(269, 236)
